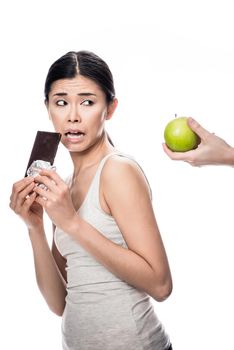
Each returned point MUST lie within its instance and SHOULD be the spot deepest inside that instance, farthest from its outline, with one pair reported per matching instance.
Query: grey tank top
(103, 312)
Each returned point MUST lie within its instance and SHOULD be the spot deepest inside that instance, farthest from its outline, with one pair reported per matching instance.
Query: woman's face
(78, 110)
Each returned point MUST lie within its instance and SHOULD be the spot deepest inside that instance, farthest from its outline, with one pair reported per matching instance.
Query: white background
(167, 57)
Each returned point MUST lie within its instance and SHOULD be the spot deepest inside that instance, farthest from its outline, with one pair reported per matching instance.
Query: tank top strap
(103, 161)
(94, 193)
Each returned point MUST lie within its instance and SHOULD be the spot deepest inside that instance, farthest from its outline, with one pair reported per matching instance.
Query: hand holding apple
(211, 150)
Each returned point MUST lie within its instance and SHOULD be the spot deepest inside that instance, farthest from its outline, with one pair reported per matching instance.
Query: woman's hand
(22, 202)
(56, 199)
(211, 150)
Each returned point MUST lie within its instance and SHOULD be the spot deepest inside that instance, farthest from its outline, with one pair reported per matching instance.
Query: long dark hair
(87, 64)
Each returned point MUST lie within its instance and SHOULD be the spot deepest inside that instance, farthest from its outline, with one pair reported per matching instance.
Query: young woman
(212, 150)
(107, 256)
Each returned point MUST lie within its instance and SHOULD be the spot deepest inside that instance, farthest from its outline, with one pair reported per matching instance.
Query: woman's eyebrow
(86, 94)
(60, 94)
(80, 94)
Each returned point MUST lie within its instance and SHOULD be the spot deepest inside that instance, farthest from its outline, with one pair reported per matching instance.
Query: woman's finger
(53, 176)
(48, 182)
(19, 186)
(29, 201)
(47, 194)
(18, 198)
(41, 200)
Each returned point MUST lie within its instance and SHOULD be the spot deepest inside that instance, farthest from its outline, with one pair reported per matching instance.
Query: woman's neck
(91, 156)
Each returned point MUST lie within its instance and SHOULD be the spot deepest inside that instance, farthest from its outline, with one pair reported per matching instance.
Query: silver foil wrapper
(37, 166)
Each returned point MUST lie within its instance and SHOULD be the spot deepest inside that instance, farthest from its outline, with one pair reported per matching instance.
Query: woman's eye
(61, 103)
(87, 103)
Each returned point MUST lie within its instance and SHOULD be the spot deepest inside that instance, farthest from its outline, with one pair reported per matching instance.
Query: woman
(107, 256)
(212, 149)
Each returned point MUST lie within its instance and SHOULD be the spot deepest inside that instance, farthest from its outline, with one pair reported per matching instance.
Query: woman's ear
(47, 107)
(111, 108)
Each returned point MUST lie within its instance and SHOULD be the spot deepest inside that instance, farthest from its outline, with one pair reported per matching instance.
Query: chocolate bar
(45, 147)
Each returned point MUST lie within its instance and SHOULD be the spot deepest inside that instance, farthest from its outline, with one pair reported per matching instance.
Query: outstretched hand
(211, 150)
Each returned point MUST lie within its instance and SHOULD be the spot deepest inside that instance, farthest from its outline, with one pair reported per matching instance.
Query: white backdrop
(167, 57)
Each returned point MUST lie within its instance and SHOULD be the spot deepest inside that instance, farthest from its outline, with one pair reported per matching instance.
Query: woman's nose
(74, 115)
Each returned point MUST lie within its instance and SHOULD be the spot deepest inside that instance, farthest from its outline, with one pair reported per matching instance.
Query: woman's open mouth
(74, 135)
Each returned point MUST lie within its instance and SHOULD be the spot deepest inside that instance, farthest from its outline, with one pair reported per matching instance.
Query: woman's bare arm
(49, 279)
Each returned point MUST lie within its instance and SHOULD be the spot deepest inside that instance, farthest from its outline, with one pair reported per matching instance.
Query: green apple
(179, 137)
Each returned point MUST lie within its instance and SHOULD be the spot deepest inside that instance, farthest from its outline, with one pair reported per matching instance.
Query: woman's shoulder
(119, 164)
(123, 170)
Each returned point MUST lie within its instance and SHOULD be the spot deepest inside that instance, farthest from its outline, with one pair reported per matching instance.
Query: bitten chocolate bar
(45, 147)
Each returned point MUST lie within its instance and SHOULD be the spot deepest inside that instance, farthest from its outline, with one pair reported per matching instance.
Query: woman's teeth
(74, 135)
